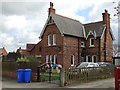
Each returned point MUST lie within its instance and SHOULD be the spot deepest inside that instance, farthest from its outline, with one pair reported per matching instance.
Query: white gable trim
(43, 30)
(90, 33)
(44, 27)
(113, 38)
(112, 34)
(103, 33)
(84, 34)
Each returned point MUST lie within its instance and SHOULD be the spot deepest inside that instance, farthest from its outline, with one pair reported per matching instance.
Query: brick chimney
(51, 9)
(106, 18)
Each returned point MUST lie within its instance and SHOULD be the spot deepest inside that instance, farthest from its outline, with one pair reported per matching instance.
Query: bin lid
(27, 69)
(20, 70)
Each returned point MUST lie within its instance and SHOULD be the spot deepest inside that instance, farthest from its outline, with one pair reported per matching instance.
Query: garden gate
(46, 72)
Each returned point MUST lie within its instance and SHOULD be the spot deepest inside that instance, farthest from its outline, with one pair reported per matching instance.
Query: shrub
(24, 60)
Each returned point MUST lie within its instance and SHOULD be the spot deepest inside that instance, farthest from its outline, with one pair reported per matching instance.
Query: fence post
(38, 74)
(62, 77)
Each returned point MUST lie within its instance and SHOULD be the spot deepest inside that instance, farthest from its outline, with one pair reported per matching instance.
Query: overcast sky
(22, 20)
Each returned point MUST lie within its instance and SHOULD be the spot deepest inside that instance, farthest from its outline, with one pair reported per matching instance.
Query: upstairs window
(54, 39)
(49, 40)
(91, 42)
(82, 44)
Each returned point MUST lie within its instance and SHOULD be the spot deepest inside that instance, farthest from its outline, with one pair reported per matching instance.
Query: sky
(21, 21)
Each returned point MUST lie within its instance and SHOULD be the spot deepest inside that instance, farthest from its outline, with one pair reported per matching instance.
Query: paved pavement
(105, 83)
(108, 84)
(8, 83)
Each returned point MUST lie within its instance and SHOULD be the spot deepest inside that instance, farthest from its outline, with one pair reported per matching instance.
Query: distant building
(3, 53)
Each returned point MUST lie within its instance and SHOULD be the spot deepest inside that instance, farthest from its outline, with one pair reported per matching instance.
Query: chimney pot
(106, 11)
(51, 4)
(51, 9)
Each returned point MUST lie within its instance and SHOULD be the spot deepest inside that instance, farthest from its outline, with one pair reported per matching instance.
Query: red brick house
(68, 42)
(3, 52)
(24, 52)
(36, 50)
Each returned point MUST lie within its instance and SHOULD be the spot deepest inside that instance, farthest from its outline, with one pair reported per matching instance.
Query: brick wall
(37, 49)
(92, 50)
(109, 47)
(52, 50)
(70, 47)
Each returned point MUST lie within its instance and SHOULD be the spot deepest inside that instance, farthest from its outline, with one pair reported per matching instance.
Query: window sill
(92, 46)
(49, 45)
(82, 46)
(54, 44)
(72, 65)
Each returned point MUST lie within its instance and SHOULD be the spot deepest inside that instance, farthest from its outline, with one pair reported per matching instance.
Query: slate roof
(96, 27)
(67, 26)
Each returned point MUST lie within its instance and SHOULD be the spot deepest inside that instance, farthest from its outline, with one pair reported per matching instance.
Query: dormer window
(49, 40)
(91, 42)
(82, 44)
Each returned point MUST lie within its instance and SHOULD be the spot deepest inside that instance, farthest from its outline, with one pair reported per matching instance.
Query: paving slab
(105, 84)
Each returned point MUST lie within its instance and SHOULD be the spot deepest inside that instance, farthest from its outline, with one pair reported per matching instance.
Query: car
(87, 65)
(104, 64)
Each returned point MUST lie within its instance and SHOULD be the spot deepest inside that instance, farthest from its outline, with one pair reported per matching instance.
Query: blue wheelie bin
(20, 75)
(28, 75)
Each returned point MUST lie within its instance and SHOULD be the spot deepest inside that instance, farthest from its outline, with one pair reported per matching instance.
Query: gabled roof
(35, 45)
(96, 27)
(3, 51)
(66, 26)
(29, 46)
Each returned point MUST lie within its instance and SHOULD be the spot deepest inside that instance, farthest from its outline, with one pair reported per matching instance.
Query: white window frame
(51, 59)
(93, 58)
(49, 40)
(87, 58)
(54, 39)
(55, 59)
(91, 42)
(73, 60)
(47, 58)
(83, 44)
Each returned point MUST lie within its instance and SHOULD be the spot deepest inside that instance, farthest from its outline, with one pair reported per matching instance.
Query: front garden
(69, 76)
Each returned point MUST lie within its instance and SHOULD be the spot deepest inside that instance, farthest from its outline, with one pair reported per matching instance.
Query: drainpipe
(105, 47)
(78, 51)
(99, 59)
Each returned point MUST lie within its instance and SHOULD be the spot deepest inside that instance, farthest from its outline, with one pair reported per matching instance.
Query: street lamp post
(117, 8)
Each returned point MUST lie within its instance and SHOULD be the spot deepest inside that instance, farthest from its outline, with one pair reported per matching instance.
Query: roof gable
(29, 46)
(96, 27)
(66, 25)
(3, 51)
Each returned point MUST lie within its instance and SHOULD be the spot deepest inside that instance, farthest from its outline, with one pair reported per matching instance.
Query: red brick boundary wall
(9, 69)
